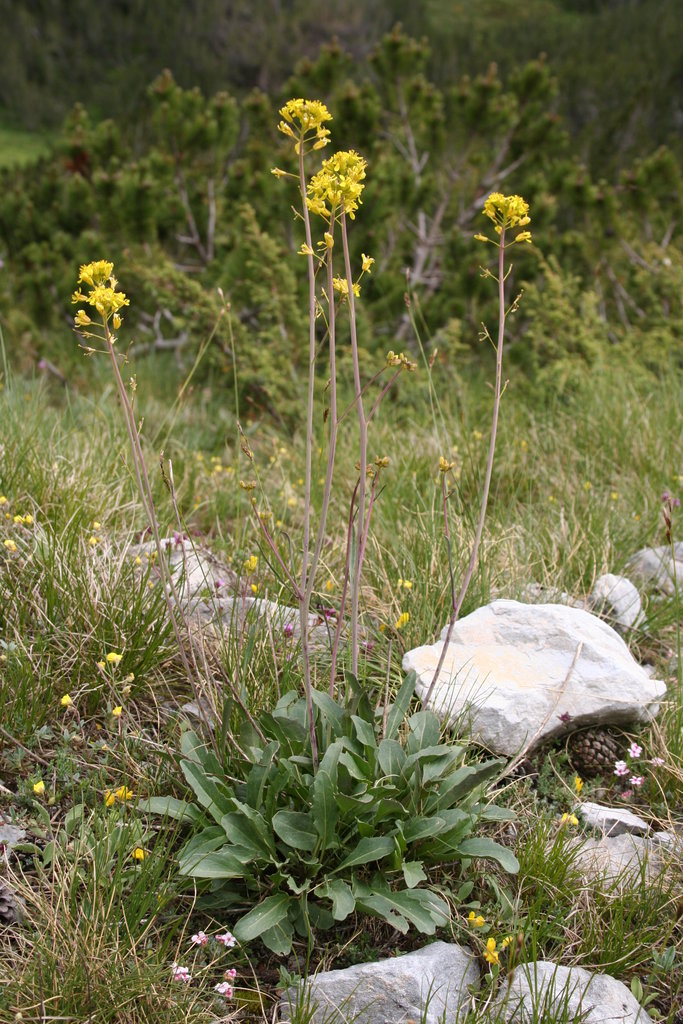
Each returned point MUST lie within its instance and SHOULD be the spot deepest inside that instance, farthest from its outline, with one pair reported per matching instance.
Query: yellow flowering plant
(333, 193)
(507, 213)
(98, 289)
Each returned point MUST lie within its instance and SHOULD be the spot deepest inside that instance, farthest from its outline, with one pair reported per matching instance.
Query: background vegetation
(575, 104)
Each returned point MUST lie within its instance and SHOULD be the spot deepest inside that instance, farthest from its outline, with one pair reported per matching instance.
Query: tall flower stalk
(507, 213)
(103, 296)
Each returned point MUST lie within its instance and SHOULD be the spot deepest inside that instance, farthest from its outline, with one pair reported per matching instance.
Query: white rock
(613, 821)
(537, 593)
(619, 861)
(548, 991)
(208, 591)
(513, 673)
(195, 570)
(656, 566)
(429, 985)
(668, 840)
(617, 598)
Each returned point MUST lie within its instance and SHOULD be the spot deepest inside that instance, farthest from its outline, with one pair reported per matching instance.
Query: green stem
(458, 601)
(363, 446)
(304, 600)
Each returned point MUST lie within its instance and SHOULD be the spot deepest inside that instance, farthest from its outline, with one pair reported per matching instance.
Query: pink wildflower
(226, 940)
(657, 761)
(224, 989)
(636, 780)
(181, 974)
(200, 939)
(621, 768)
(231, 974)
(634, 750)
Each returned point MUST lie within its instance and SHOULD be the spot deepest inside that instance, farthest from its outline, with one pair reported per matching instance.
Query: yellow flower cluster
(339, 182)
(341, 285)
(493, 950)
(122, 794)
(507, 212)
(303, 117)
(103, 296)
(403, 620)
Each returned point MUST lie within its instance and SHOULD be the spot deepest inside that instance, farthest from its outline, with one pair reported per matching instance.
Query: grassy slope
(576, 490)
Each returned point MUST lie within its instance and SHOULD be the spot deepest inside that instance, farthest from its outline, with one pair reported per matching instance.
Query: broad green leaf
(330, 712)
(207, 841)
(278, 939)
(424, 827)
(296, 829)
(320, 917)
(370, 849)
(425, 731)
(223, 863)
(241, 830)
(288, 732)
(413, 873)
(324, 808)
(495, 813)
(269, 913)
(388, 808)
(364, 731)
(392, 757)
(343, 901)
(399, 709)
(207, 790)
(169, 807)
(355, 766)
(385, 907)
(482, 846)
(330, 759)
(437, 907)
(195, 749)
(354, 804)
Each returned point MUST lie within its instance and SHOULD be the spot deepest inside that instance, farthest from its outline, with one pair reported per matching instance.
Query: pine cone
(10, 913)
(593, 752)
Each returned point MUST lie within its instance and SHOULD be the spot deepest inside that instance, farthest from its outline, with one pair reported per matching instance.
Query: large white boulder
(516, 674)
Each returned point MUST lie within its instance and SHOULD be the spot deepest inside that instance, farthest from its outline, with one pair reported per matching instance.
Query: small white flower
(621, 768)
(226, 940)
(200, 939)
(224, 988)
(634, 750)
(636, 780)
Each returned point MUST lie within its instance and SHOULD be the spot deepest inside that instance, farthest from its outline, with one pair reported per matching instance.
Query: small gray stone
(544, 990)
(613, 821)
(616, 598)
(620, 860)
(429, 985)
(655, 566)
(672, 841)
(10, 835)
